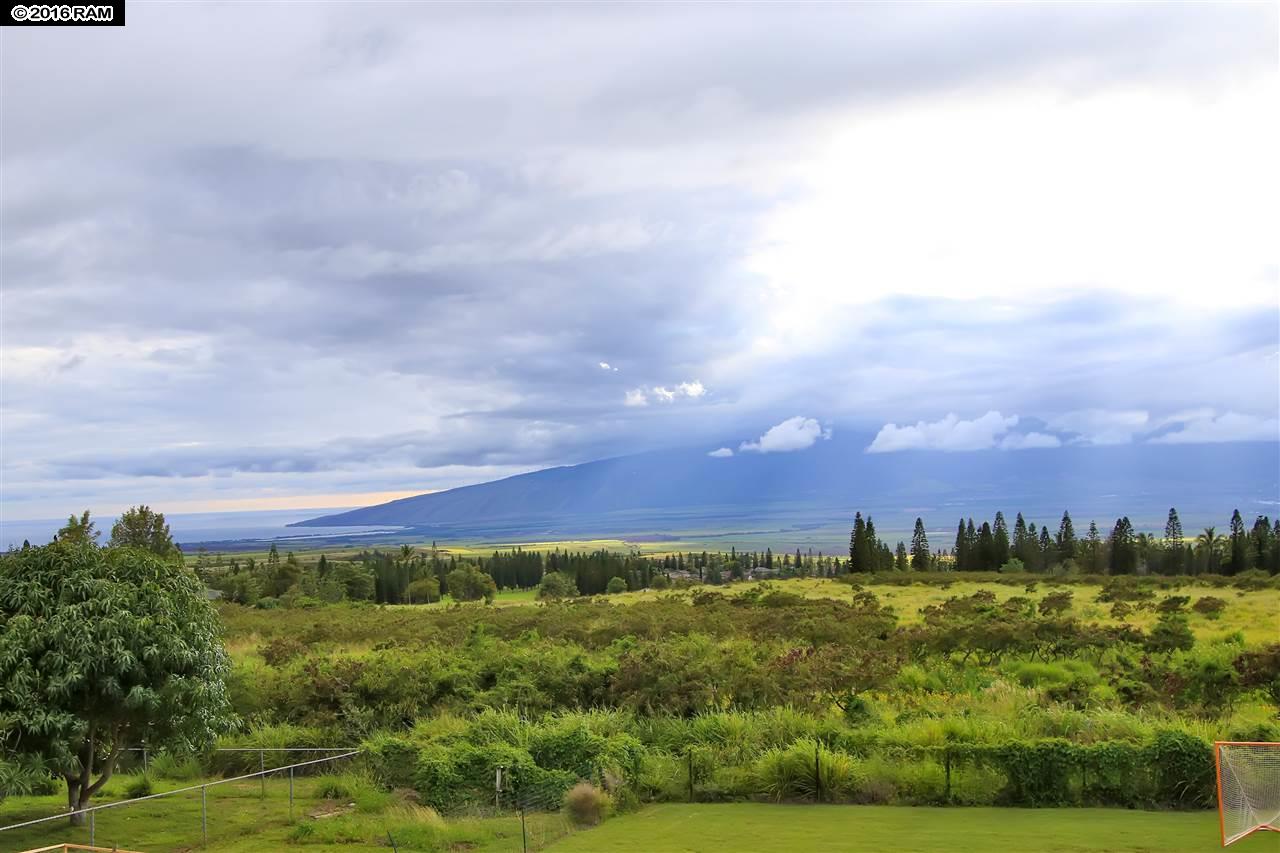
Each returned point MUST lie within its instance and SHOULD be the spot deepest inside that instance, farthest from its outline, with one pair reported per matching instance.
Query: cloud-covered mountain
(808, 496)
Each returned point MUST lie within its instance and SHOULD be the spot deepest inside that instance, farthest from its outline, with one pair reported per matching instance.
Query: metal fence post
(92, 829)
(817, 772)
(144, 761)
(946, 763)
(290, 795)
(262, 767)
(204, 812)
(690, 754)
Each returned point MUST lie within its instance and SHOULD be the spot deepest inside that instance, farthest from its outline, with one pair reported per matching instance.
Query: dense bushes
(985, 699)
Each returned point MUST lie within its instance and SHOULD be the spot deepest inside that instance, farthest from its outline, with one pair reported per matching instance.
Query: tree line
(992, 546)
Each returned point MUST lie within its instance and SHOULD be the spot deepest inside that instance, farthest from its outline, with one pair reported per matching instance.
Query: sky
(267, 255)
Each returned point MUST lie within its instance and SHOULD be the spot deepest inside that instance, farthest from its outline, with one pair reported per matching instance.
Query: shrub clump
(1210, 607)
(138, 786)
(586, 805)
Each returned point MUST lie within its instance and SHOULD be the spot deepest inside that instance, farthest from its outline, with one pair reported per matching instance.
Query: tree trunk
(73, 800)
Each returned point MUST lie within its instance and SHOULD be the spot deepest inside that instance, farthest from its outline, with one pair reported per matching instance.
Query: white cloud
(604, 365)
(1102, 426)
(663, 394)
(721, 453)
(1029, 440)
(792, 434)
(1229, 426)
(950, 433)
(691, 389)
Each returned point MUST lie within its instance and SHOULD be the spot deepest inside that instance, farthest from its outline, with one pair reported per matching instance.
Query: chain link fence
(186, 816)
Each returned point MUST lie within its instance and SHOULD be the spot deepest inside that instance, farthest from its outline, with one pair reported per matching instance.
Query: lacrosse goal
(1248, 788)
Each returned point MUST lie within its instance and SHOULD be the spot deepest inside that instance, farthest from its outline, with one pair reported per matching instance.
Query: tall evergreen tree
(920, 547)
(873, 549)
(986, 548)
(1274, 567)
(1124, 550)
(855, 541)
(1175, 562)
(1066, 539)
(1045, 549)
(1239, 561)
(1001, 532)
(1260, 543)
(900, 557)
(962, 548)
(857, 545)
(1093, 550)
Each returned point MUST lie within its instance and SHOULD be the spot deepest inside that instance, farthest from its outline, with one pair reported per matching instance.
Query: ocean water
(192, 527)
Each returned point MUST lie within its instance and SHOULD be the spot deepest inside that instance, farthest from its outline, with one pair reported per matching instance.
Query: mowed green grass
(240, 820)
(766, 828)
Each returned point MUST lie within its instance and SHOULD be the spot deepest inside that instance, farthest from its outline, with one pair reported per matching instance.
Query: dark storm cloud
(243, 241)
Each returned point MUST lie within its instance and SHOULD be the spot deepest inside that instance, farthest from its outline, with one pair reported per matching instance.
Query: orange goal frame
(1217, 770)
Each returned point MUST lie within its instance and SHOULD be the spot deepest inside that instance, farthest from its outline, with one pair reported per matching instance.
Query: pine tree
(962, 549)
(1260, 543)
(857, 546)
(1239, 561)
(1093, 549)
(1066, 539)
(1175, 560)
(986, 548)
(1124, 552)
(1274, 567)
(1002, 540)
(1045, 549)
(873, 555)
(971, 546)
(920, 548)
(900, 557)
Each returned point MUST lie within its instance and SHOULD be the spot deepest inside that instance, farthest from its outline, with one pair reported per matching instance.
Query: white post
(204, 812)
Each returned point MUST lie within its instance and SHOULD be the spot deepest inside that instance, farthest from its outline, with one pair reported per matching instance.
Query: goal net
(1248, 788)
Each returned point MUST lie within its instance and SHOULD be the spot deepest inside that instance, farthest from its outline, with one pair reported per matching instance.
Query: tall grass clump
(805, 770)
(586, 805)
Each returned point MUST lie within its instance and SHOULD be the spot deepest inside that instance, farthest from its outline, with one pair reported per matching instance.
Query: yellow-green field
(1255, 614)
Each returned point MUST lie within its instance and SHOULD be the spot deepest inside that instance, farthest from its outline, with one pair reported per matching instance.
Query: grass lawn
(241, 821)
(763, 828)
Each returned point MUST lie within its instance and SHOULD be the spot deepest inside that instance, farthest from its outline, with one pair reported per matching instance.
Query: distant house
(213, 594)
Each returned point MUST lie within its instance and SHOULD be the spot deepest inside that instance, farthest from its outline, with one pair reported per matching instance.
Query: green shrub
(137, 786)
(393, 760)
(175, 767)
(1182, 770)
(1210, 607)
(805, 770)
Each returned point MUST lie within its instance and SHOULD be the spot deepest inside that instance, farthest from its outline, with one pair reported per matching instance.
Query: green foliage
(100, 648)
(1182, 770)
(175, 767)
(1210, 607)
(555, 585)
(615, 586)
(137, 786)
(467, 583)
(140, 527)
